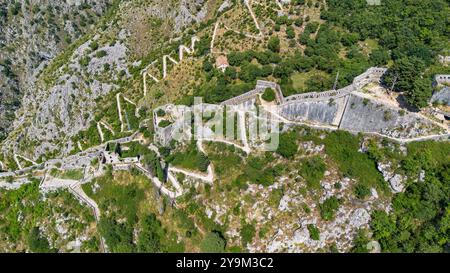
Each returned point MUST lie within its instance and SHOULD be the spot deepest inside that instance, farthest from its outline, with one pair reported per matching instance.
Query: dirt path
(208, 178)
(248, 4)
(214, 36)
(16, 159)
(100, 132)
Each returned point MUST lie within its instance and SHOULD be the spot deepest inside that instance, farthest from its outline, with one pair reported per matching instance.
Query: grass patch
(312, 170)
(343, 147)
(191, 159)
(74, 174)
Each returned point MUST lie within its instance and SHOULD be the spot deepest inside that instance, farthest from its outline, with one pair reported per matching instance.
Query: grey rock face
(396, 183)
(359, 217)
(9, 98)
(364, 115)
(189, 12)
(35, 40)
(319, 111)
(226, 4)
(442, 96)
(59, 103)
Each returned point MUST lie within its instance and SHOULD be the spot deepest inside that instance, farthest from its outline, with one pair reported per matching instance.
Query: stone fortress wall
(326, 107)
(165, 135)
(343, 108)
(442, 93)
(162, 135)
(259, 89)
(372, 74)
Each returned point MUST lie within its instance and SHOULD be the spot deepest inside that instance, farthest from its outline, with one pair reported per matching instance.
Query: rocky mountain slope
(32, 33)
(59, 97)
(87, 156)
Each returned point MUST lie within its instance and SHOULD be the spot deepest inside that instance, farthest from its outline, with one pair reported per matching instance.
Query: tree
(287, 145)
(207, 65)
(236, 58)
(349, 39)
(213, 243)
(268, 95)
(319, 82)
(274, 44)
(421, 93)
(298, 22)
(230, 72)
(37, 243)
(202, 47)
(313, 232)
(149, 239)
(311, 27)
(290, 33)
(249, 72)
(379, 57)
(404, 72)
(304, 38)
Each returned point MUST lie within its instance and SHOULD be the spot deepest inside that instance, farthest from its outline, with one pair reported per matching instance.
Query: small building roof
(222, 60)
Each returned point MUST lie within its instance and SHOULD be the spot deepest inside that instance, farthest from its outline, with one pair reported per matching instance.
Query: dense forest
(411, 33)
(420, 216)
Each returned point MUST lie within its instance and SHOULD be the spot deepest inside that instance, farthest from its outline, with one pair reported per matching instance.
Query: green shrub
(313, 232)
(312, 170)
(268, 95)
(247, 233)
(343, 148)
(37, 243)
(287, 144)
(164, 123)
(362, 191)
(191, 159)
(328, 208)
(360, 242)
(151, 234)
(160, 113)
(101, 54)
(15, 8)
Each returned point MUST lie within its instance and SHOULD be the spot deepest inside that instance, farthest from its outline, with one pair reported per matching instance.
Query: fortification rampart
(342, 108)
(372, 74)
(260, 87)
(441, 79)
